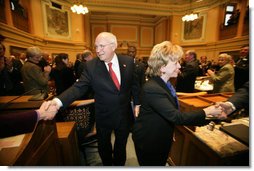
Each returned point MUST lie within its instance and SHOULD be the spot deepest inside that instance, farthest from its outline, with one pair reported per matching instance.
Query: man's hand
(136, 110)
(227, 107)
(47, 69)
(47, 110)
(215, 111)
(210, 72)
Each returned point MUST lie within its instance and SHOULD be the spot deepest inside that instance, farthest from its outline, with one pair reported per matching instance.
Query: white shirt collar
(115, 67)
(114, 61)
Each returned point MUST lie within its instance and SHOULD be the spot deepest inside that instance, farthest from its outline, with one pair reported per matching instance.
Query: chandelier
(190, 17)
(79, 8)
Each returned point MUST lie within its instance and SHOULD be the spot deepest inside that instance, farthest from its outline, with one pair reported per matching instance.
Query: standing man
(35, 80)
(223, 80)
(45, 60)
(139, 66)
(6, 85)
(112, 97)
(189, 71)
(242, 68)
(77, 63)
(86, 56)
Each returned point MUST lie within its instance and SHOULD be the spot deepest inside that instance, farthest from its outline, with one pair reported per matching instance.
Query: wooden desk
(61, 150)
(69, 143)
(198, 146)
(39, 148)
(207, 148)
(188, 103)
(20, 102)
(82, 102)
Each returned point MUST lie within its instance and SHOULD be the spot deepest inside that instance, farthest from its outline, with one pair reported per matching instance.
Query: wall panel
(146, 37)
(125, 32)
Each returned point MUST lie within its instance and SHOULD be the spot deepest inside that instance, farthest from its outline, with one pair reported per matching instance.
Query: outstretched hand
(215, 111)
(226, 106)
(48, 110)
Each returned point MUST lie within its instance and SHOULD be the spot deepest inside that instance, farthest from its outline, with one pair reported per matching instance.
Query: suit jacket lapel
(105, 74)
(122, 67)
(164, 86)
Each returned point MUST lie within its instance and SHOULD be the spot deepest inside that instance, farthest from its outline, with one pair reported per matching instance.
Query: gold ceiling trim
(149, 8)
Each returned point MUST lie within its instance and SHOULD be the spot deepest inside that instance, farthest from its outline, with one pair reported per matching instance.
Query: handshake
(48, 110)
(220, 110)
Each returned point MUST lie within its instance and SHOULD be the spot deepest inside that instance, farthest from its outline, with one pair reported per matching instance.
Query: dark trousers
(116, 155)
(148, 157)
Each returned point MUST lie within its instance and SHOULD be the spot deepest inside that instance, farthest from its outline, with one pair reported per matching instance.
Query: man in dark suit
(242, 68)
(139, 66)
(112, 103)
(77, 63)
(189, 71)
(238, 101)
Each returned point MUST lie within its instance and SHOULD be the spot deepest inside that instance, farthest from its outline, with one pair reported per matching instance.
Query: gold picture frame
(57, 21)
(194, 30)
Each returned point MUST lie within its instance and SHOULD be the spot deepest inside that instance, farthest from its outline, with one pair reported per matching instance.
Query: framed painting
(16, 51)
(194, 30)
(56, 21)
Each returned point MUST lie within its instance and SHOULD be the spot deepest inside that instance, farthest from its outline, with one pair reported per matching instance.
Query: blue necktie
(173, 92)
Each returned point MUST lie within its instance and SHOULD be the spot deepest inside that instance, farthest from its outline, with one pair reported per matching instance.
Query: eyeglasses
(101, 46)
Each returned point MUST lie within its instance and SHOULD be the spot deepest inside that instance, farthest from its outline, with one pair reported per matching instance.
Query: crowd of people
(226, 74)
(34, 72)
(129, 96)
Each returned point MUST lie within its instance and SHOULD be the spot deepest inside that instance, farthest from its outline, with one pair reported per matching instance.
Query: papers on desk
(14, 141)
(203, 85)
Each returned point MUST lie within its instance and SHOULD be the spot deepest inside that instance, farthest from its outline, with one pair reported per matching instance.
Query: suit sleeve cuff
(232, 105)
(38, 115)
(58, 102)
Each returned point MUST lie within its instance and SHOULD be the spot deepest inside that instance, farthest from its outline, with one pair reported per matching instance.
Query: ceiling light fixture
(79, 8)
(190, 17)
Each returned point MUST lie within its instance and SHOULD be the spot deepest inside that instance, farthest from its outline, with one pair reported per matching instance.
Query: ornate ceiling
(150, 7)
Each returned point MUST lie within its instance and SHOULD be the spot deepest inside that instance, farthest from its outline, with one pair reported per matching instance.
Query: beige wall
(139, 30)
(160, 32)
(129, 30)
(37, 37)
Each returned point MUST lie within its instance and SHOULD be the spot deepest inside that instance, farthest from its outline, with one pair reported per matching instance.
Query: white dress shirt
(115, 67)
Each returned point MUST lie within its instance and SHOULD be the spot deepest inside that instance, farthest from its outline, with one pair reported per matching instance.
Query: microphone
(38, 97)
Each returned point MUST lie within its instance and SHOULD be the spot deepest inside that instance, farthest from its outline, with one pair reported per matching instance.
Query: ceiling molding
(151, 7)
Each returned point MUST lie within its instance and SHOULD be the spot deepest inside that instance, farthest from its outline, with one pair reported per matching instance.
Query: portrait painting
(16, 51)
(57, 22)
(194, 30)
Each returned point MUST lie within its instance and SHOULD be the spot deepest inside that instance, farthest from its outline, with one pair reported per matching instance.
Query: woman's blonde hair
(160, 55)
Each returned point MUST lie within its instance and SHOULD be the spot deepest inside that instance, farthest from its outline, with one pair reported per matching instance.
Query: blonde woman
(154, 127)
